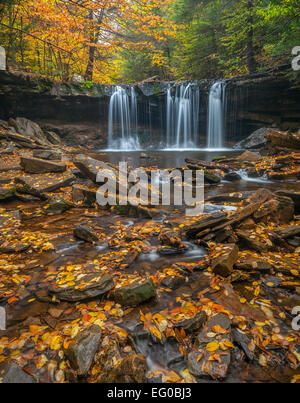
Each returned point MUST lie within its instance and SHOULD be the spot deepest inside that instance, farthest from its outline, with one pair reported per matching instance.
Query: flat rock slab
(50, 155)
(38, 166)
(85, 286)
(37, 185)
(12, 373)
(91, 167)
(56, 206)
(213, 341)
(135, 293)
(82, 350)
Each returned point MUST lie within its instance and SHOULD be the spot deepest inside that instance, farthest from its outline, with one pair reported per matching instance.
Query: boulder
(56, 205)
(280, 209)
(224, 261)
(249, 156)
(89, 285)
(85, 233)
(204, 223)
(232, 177)
(50, 155)
(82, 350)
(256, 140)
(170, 238)
(210, 178)
(135, 293)
(12, 373)
(29, 129)
(131, 369)
(37, 166)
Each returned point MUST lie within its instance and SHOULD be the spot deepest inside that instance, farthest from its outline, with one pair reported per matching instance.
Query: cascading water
(183, 116)
(123, 121)
(216, 115)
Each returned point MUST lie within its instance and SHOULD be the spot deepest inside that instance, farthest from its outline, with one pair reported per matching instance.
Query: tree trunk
(251, 62)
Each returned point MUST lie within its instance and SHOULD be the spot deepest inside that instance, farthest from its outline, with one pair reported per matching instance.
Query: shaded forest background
(117, 41)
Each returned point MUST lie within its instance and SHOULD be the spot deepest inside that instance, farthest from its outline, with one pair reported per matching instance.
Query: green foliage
(222, 38)
(87, 85)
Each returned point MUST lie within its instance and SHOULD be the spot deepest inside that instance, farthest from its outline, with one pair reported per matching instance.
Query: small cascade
(123, 121)
(216, 115)
(183, 116)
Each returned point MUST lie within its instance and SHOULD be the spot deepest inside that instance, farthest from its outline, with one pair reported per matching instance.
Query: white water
(216, 116)
(183, 117)
(122, 121)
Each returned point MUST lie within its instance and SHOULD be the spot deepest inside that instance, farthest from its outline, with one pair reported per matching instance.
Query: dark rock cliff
(80, 114)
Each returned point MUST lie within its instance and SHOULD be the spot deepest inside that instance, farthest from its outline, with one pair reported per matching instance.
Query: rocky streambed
(138, 294)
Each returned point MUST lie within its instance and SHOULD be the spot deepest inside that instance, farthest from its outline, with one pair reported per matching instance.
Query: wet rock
(199, 363)
(170, 238)
(249, 156)
(243, 341)
(85, 233)
(50, 155)
(38, 166)
(173, 282)
(210, 178)
(82, 350)
(136, 211)
(92, 285)
(7, 194)
(135, 293)
(37, 185)
(168, 251)
(232, 177)
(56, 205)
(12, 373)
(190, 325)
(256, 140)
(223, 264)
(84, 194)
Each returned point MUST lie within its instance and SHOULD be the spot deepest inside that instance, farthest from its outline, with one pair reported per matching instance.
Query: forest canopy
(116, 41)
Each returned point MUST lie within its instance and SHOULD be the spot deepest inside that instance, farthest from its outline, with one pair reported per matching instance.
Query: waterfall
(123, 121)
(183, 116)
(216, 115)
